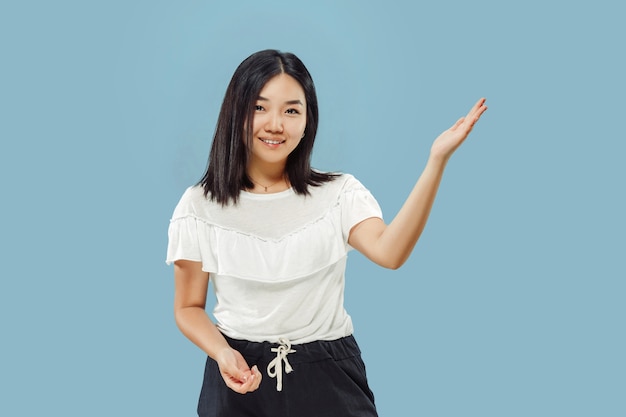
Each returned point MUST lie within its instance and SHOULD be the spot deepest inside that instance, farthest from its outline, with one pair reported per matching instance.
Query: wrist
(222, 354)
(437, 161)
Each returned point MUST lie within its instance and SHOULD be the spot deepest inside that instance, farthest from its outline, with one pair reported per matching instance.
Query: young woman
(273, 235)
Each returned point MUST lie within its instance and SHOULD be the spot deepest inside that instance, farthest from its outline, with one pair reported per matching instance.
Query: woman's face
(279, 120)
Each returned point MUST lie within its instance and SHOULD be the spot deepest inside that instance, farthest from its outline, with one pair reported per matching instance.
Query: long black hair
(226, 176)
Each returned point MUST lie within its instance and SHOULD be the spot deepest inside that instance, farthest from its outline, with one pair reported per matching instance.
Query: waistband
(285, 355)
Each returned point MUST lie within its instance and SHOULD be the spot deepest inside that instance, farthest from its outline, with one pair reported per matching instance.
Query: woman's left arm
(390, 245)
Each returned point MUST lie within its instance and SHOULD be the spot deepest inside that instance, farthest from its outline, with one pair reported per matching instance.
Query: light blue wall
(512, 304)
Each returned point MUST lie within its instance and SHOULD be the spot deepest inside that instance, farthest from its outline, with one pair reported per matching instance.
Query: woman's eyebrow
(261, 98)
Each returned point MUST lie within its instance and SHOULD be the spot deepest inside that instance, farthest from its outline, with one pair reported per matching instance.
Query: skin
(281, 116)
(390, 245)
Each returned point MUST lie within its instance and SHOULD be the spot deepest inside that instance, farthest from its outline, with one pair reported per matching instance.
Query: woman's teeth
(273, 142)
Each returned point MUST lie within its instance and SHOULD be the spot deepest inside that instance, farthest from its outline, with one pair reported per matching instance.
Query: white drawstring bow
(275, 367)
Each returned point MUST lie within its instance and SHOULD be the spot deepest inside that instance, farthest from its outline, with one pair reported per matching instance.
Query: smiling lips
(272, 142)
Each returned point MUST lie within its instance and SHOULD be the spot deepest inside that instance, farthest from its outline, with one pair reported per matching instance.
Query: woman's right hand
(236, 373)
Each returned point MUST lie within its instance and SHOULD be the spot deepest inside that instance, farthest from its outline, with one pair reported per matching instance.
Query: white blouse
(277, 261)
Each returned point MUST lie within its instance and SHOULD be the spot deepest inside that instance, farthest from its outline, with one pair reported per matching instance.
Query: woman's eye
(292, 111)
(258, 108)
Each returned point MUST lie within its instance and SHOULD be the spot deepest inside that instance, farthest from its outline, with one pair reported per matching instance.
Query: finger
(249, 384)
(478, 114)
(240, 375)
(257, 377)
(473, 117)
(478, 105)
(253, 381)
(240, 368)
(235, 378)
(475, 108)
(458, 123)
(236, 386)
(478, 109)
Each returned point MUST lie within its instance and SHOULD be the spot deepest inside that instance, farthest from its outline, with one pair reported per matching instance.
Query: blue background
(513, 301)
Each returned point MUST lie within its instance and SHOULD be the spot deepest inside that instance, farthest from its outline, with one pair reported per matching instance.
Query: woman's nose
(274, 123)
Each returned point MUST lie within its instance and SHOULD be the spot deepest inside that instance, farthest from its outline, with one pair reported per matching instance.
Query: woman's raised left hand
(444, 146)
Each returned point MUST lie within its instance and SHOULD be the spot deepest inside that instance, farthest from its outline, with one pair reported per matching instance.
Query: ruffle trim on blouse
(312, 247)
(224, 251)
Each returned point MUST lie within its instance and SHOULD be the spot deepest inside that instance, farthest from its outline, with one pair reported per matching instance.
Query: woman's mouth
(272, 142)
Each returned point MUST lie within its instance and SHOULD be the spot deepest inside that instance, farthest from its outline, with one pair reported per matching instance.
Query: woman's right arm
(191, 285)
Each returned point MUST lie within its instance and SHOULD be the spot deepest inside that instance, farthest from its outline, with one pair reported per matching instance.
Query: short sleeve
(357, 204)
(190, 237)
(183, 240)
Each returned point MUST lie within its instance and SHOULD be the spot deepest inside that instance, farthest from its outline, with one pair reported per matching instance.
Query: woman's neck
(267, 179)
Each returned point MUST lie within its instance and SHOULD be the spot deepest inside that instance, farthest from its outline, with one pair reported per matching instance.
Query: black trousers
(328, 380)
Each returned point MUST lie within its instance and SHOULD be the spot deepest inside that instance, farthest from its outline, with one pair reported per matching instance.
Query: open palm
(446, 143)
